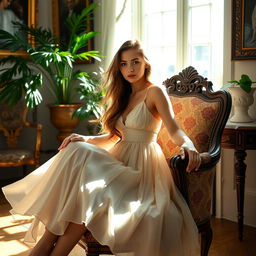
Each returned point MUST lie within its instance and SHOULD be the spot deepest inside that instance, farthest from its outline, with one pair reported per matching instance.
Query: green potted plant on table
(242, 97)
(55, 62)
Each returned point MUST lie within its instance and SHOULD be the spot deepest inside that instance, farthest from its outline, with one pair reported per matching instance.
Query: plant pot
(241, 101)
(61, 118)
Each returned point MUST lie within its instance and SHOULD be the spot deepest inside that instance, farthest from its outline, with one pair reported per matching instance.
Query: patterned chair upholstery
(202, 114)
(12, 123)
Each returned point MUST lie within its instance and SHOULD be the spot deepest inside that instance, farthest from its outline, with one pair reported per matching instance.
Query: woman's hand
(71, 138)
(194, 158)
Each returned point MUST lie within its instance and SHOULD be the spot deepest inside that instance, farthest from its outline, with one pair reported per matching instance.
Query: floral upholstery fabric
(14, 155)
(196, 117)
(199, 194)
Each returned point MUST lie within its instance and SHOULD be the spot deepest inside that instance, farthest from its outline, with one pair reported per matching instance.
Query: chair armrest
(178, 168)
(208, 160)
(38, 128)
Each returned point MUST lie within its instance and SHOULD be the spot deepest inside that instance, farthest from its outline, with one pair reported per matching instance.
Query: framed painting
(244, 30)
(61, 9)
(17, 10)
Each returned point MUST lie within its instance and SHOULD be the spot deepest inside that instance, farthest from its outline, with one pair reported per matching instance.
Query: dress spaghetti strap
(145, 96)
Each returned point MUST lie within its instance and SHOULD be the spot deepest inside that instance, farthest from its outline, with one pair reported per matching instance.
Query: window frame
(182, 32)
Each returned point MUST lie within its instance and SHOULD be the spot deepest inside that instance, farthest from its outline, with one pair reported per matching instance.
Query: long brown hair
(118, 89)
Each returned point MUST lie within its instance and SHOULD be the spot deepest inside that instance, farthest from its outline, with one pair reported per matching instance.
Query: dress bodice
(140, 125)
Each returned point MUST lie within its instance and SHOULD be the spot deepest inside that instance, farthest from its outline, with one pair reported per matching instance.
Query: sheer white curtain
(108, 24)
(115, 27)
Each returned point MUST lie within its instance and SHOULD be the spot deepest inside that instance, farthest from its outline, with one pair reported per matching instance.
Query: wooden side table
(240, 137)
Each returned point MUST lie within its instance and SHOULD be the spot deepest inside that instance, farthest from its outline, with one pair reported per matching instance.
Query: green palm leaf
(87, 55)
(82, 41)
(77, 22)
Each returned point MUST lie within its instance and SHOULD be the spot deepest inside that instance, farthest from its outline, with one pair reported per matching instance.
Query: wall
(233, 70)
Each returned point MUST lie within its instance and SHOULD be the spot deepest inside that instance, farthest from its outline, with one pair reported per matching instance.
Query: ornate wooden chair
(202, 114)
(12, 123)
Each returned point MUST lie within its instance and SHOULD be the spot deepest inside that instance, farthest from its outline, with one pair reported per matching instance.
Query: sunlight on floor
(12, 232)
(12, 248)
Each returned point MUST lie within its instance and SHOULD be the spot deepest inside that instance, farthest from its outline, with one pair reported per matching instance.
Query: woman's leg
(68, 240)
(45, 245)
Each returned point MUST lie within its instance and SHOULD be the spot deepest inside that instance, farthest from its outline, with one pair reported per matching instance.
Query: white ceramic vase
(241, 100)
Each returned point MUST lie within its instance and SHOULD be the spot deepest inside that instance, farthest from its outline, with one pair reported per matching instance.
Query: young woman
(118, 185)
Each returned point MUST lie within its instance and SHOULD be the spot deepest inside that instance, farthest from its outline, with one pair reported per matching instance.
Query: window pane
(151, 6)
(169, 62)
(169, 5)
(199, 2)
(163, 62)
(200, 59)
(153, 28)
(154, 54)
(169, 28)
(200, 24)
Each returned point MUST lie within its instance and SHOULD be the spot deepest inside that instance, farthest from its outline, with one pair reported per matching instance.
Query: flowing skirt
(126, 197)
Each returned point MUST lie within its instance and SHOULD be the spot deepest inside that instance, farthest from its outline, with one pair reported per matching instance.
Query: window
(178, 33)
(199, 43)
(160, 36)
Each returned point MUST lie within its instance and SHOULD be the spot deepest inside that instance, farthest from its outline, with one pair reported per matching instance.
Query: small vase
(241, 101)
(61, 118)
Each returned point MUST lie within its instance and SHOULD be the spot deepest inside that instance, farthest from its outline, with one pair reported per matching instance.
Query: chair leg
(92, 247)
(98, 251)
(206, 240)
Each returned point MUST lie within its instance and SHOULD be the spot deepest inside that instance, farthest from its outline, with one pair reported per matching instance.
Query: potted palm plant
(242, 97)
(55, 62)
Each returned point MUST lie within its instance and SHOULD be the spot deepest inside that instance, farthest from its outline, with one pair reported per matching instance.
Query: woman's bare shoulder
(155, 90)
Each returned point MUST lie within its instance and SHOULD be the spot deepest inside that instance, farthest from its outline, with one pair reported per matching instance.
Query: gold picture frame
(30, 14)
(243, 30)
(59, 14)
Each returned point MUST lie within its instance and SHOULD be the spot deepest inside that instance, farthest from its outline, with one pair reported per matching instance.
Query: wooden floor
(225, 242)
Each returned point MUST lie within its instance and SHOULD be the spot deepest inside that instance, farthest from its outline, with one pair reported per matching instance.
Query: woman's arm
(159, 101)
(104, 140)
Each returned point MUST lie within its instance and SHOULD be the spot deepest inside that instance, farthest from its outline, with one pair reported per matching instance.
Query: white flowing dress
(125, 196)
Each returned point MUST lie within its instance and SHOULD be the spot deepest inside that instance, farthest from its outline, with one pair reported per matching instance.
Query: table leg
(240, 169)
